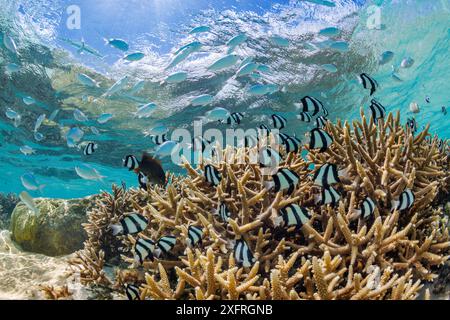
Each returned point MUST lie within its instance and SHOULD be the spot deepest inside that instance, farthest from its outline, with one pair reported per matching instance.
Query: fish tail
(395, 204)
(278, 221)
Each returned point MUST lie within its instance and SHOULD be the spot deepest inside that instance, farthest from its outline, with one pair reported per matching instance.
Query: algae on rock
(57, 229)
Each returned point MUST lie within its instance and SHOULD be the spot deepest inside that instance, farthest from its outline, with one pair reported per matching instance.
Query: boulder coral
(336, 254)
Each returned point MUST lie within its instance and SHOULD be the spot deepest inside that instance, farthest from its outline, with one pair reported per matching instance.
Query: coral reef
(335, 255)
(7, 204)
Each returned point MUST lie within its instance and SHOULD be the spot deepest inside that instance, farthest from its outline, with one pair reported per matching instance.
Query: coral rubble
(335, 255)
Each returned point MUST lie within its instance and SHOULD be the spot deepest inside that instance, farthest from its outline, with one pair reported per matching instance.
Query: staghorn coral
(336, 255)
(56, 293)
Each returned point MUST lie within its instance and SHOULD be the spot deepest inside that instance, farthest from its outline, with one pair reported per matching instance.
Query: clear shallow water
(48, 69)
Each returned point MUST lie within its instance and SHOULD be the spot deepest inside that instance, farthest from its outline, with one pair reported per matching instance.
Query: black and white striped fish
(279, 122)
(368, 83)
(269, 158)
(142, 180)
(378, 110)
(131, 162)
(263, 130)
(132, 292)
(329, 196)
(326, 175)
(195, 235)
(159, 139)
(242, 254)
(90, 148)
(131, 224)
(292, 144)
(412, 124)
(223, 212)
(200, 143)
(293, 215)
(235, 118)
(367, 208)
(320, 139)
(212, 175)
(144, 249)
(305, 117)
(165, 244)
(284, 179)
(250, 141)
(406, 201)
(310, 105)
(321, 122)
(441, 145)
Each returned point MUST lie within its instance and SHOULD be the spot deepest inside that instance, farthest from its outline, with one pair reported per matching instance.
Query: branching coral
(336, 255)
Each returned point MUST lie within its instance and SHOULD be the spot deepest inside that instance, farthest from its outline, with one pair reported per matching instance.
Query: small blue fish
(166, 149)
(28, 100)
(104, 118)
(202, 100)
(247, 69)
(157, 130)
(200, 29)
(223, 63)
(118, 44)
(264, 69)
(134, 56)
(176, 77)
(341, 46)
(181, 55)
(280, 41)
(192, 46)
(86, 80)
(386, 57)
(236, 41)
(87, 172)
(407, 63)
(330, 68)
(29, 181)
(145, 111)
(12, 68)
(263, 89)
(329, 32)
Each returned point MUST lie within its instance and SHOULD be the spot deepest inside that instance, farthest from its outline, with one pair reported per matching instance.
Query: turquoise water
(48, 68)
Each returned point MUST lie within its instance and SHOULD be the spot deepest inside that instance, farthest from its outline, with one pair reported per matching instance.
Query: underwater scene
(224, 149)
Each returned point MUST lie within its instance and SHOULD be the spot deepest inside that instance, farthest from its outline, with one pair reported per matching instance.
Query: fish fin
(41, 187)
(278, 221)
(395, 204)
(148, 158)
(356, 213)
(116, 229)
(317, 198)
(344, 173)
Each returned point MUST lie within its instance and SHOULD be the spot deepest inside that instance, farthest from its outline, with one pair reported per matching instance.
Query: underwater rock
(56, 231)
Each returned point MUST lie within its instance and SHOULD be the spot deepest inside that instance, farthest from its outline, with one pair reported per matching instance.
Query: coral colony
(363, 219)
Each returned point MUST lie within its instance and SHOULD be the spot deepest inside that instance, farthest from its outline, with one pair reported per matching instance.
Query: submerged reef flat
(333, 255)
